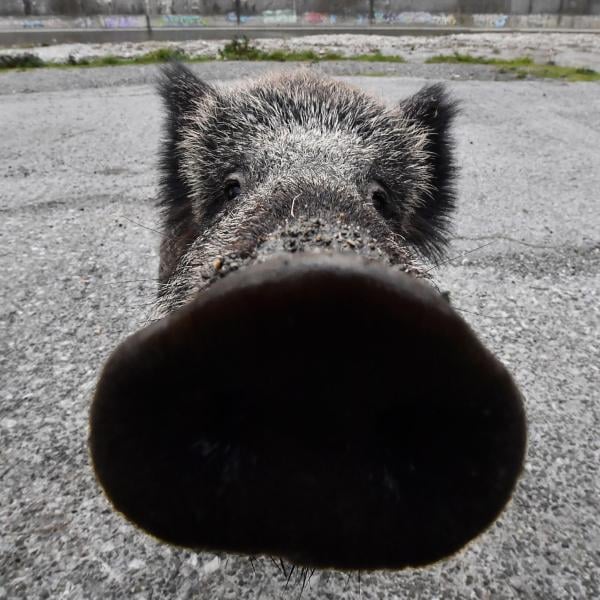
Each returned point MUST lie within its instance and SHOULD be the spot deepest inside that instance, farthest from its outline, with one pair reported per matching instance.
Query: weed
(377, 57)
(522, 67)
(240, 48)
(21, 61)
(237, 49)
(458, 58)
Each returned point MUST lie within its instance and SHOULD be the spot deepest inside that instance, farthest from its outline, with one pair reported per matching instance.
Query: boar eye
(379, 197)
(233, 188)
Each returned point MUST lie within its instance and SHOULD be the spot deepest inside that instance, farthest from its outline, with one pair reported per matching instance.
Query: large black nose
(321, 409)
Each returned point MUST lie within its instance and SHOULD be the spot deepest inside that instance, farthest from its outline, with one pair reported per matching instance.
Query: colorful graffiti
(86, 23)
(231, 17)
(279, 17)
(124, 22)
(415, 18)
(490, 20)
(180, 21)
(46, 23)
(546, 21)
(33, 24)
(289, 17)
(316, 18)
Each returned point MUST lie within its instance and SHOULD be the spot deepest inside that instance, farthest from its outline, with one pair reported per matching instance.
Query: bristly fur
(433, 109)
(181, 91)
(304, 145)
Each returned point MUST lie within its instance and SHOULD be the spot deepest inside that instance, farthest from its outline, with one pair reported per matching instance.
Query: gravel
(566, 49)
(78, 264)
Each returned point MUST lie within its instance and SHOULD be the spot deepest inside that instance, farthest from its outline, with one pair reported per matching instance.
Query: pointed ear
(180, 88)
(432, 111)
(182, 93)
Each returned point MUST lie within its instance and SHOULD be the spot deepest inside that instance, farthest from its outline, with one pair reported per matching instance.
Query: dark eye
(379, 199)
(233, 188)
(378, 196)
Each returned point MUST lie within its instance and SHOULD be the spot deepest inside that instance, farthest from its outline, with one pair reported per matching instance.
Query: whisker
(347, 582)
(161, 233)
(119, 282)
(275, 563)
(289, 576)
(303, 575)
(449, 260)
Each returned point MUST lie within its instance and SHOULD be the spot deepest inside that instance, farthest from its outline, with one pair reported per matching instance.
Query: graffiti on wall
(289, 17)
(541, 21)
(317, 18)
(231, 17)
(46, 23)
(33, 23)
(415, 18)
(490, 20)
(86, 23)
(180, 21)
(124, 22)
(279, 17)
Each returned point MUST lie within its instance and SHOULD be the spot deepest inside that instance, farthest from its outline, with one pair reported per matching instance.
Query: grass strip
(237, 49)
(163, 55)
(521, 67)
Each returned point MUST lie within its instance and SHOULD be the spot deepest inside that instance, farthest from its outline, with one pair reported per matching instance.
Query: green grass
(308, 56)
(377, 57)
(479, 60)
(242, 49)
(21, 61)
(163, 55)
(521, 67)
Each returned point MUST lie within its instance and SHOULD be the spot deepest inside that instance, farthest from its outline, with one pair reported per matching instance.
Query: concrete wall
(340, 8)
(11, 7)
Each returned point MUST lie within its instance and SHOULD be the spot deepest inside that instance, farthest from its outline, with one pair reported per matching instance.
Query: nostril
(275, 416)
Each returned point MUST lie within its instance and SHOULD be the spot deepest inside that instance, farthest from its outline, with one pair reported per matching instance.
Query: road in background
(78, 256)
(99, 36)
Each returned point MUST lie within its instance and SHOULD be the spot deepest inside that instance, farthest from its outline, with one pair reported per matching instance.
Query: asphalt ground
(78, 261)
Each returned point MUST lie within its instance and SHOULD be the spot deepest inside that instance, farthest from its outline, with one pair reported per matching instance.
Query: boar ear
(432, 111)
(182, 92)
(180, 89)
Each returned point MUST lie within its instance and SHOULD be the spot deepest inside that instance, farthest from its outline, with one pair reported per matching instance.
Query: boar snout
(324, 409)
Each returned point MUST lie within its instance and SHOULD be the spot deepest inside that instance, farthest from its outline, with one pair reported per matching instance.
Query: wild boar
(305, 391)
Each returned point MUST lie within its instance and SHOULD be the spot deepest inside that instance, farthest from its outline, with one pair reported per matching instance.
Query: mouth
(322, 409)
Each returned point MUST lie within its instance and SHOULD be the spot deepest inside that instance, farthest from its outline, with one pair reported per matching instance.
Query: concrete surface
(101, 36)
(348, 8)
(78, 261)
